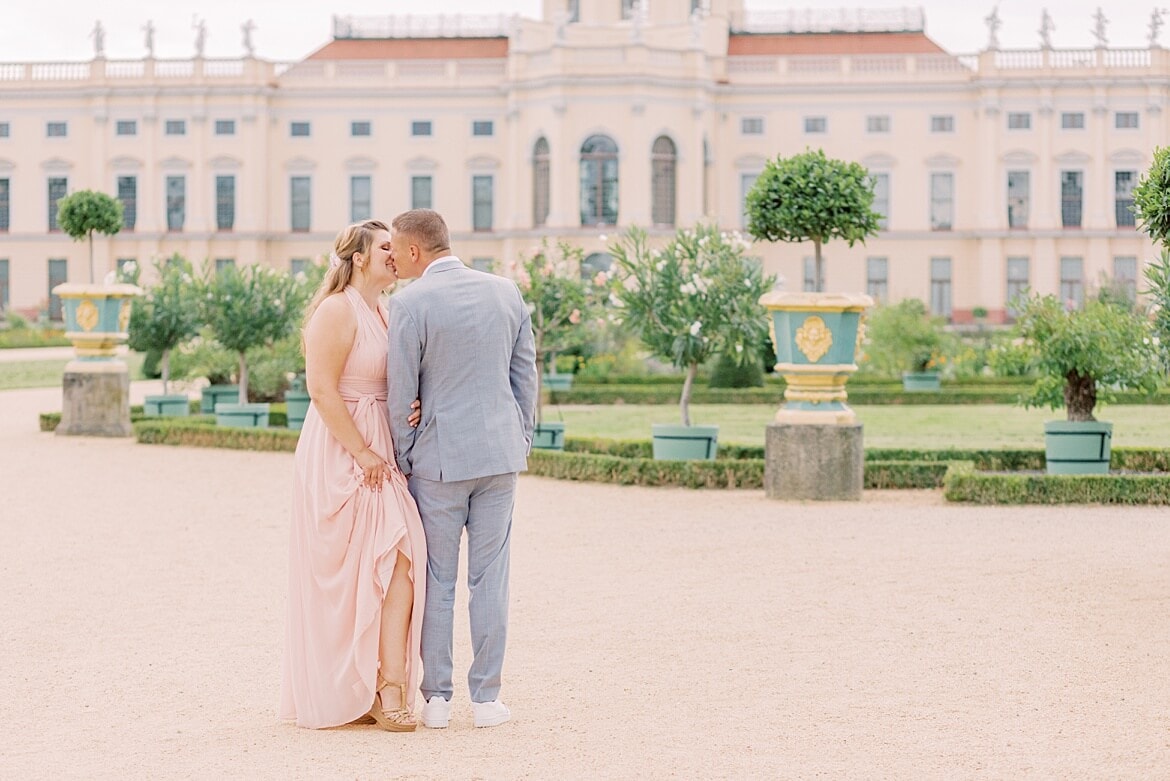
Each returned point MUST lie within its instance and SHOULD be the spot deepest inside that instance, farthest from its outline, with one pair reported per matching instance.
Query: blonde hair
(427, 226)
(353, 239)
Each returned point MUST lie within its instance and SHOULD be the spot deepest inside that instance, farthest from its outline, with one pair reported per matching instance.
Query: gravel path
(656, 633)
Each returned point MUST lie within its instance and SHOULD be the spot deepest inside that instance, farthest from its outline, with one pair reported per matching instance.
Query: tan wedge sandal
(398, 719)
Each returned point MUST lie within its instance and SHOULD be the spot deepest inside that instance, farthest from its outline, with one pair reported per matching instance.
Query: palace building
(996, 171)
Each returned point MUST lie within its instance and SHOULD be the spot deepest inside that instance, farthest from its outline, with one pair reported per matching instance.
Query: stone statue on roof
(99, 40)
(1046, 28)
(1155, 27)
(148, 28)
(993, 24)
(247, 27)
(1099, 22)
(200, 27)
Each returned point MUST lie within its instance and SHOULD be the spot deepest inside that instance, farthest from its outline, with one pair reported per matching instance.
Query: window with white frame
(175, 189)
(58, 275)
(877, 278)
(359, 129)
(420, 127)
(127, 187)
(1123, 184)
(746, 182)
(878, 123)
(225, 127)
(1019, 120)
(598, 171)
(225, 202)
(940, 287)
(58, 188)
(175, 127)
(482, 202)
(421, 196)
(942, 200)
(1072, 282)
(540, 182)
(1125, 275)
(3, 285)
(126, 127)
(663, 162)
(299, 129)
(1072, 120)
(5, 200)
(1125, 120)
(56, 129)
(300, 189)
(1072, 196)
(815, 124)
(942, 123)
(881, 198)
(483, 127)
(1019, 186)
(751, 126)
(5, 129)
(1017, 281)
(360, 197)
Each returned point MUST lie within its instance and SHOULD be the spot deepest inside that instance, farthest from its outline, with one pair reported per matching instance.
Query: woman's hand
(416, 415)
(375, 469)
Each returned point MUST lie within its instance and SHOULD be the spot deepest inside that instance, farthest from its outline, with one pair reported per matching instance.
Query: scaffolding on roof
(415, 26)
(831, 20)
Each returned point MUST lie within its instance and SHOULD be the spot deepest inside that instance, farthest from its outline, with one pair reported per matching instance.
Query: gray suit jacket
(461, 342)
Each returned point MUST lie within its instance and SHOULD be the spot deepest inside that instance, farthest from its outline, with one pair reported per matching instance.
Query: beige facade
(254, 161)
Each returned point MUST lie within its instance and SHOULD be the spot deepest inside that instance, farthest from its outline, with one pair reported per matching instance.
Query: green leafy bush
(904, 337)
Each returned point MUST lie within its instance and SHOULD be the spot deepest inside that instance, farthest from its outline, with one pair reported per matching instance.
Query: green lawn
(917, 426)
(46, 374)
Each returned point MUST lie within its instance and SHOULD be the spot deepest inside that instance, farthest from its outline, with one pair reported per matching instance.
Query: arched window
(599, 181)
(540, 183)
(598, 261)
(663, 162)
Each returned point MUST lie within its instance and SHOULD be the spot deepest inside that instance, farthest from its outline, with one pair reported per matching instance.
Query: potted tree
(904, 339)
(809, 197)
(695, 298)
(86, 212)
(1151, 199)
(1080, 358)
(560, 303)
(249, 307)
(165, 317)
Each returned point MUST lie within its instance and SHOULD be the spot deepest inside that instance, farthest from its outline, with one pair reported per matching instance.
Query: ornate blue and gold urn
(96, 317)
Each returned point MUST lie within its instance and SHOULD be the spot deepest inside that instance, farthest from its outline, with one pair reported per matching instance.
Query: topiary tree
(1151, 204)
(167, 315)
(86, 212)
(809, 197)
(250, 307)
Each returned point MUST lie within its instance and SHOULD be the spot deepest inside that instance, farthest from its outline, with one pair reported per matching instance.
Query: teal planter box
(1077, 448)
(920, 382)
(297, 402)
(684, 443)
(214, 394)
(172, 405)
(558, 382)
(241, 415)
(549, 436)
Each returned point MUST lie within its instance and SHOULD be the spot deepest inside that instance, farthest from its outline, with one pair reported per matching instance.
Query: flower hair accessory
(334, 261)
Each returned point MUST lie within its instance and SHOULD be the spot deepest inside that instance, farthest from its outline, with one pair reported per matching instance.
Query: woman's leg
(396, 612)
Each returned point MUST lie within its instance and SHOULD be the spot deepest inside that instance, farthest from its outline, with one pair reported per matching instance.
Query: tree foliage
(810, 197)
(904, 337)
(85, 212)
(168, 314)
(1151, 199)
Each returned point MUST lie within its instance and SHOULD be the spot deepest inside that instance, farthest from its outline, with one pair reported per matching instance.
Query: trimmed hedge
(277, 417)
(197, 433)
(964, 484)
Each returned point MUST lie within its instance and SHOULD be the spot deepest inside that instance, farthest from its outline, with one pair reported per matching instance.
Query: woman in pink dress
(357, 564)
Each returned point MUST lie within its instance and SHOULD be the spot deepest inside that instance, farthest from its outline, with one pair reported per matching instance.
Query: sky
(59, 30)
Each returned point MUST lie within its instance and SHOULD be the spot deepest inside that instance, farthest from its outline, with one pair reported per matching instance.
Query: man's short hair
(426, 226)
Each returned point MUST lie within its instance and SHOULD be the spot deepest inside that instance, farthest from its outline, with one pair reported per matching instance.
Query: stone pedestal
(813, 461)
(96, 399)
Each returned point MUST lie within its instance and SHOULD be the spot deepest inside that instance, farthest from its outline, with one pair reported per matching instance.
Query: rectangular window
(176, 190)
(1017, 282)
(881, 198)
(877, 124)
(360, 195)
(1072, 282)
(942, 201)
(482, 128)
(176, 127)
(752, 126)
(56, 129)
(300, 192)
(1071, 198)
(1125, 275)
(1019, 185)
(940, 287)
(5, 200)
(1125, 120)
(126, 127)
(3, 285)
(298, 129)
(746, 182)
(299, 266)
(357, 129)
(1123, 184)
(486, 265)
(1072, 120)
(421, 193)
(809, 275)
(420, 127)
(58, 275)
(481, 203)
(1019, 120)
(58, 187)
(5, 130)
(225, 127)
(815, 124)
(222, 264)
(128, 195)
(942, 123)
(877, 279)
(225, 202)
(120, 263)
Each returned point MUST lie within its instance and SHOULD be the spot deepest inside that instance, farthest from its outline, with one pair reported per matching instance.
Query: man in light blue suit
(461, 342)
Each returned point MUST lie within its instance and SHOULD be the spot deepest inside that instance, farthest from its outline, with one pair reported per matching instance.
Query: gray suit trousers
(484, 507)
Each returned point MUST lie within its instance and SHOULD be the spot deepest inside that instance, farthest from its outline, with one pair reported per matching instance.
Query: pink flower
(575, 316)
(601, 278)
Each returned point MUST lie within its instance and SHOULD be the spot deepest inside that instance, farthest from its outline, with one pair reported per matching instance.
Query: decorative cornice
(300, 164)
(56, 164)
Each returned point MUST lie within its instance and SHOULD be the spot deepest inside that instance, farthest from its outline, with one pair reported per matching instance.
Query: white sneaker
(436, 712)
(490, 714)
